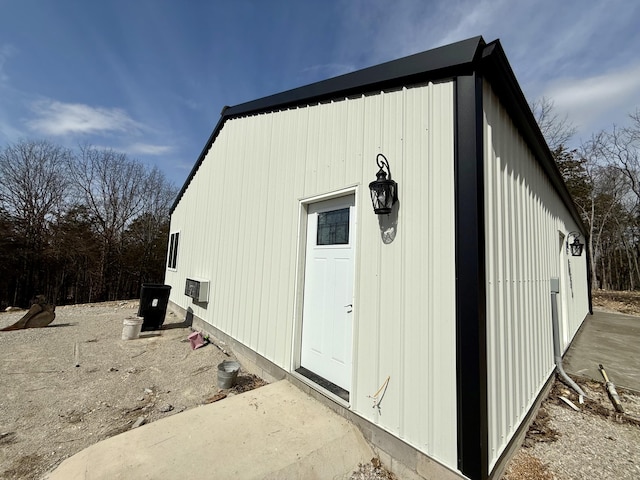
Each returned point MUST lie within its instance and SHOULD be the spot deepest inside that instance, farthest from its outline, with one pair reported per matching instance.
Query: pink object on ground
(196, 340)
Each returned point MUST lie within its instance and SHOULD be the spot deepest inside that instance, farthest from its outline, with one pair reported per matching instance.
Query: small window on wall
(173, 250)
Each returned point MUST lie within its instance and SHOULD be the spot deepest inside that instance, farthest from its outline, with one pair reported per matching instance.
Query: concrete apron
(276, 431)
(610, 339)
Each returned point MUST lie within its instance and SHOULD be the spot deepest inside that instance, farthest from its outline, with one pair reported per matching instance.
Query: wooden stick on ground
(611, 390)
(76, 354)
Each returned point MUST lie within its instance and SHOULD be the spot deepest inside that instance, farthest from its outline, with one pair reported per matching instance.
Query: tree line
(603, 177)
(77, 226)
(92, 224)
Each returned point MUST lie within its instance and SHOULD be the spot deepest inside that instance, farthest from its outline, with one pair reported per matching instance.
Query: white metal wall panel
(407, 288)
(524, 217)
(239, 221)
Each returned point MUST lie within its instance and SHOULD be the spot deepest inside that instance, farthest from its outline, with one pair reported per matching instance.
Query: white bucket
(131, 327)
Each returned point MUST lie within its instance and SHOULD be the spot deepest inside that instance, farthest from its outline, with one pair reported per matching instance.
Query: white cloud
(474, 18)
(581, 56)
(590, 100)
(57, 118)
(148, 149)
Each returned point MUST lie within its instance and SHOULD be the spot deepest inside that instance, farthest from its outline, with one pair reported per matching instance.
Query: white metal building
(442, 307)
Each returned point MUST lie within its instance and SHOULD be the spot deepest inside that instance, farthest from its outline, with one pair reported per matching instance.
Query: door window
(333, 227)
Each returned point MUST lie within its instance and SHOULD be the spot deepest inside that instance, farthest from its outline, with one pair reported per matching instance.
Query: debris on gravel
(373, 470)
(596, 442)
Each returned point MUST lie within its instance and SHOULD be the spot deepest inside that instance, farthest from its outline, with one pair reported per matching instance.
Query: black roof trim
(496, 69)
(460, 58)
(439, 63)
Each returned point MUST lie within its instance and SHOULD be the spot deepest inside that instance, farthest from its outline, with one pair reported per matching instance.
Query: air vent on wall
(197, 289)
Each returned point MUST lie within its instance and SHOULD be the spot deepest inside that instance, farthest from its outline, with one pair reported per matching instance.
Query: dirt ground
(595, 442)
(621, 302)
(51, 409)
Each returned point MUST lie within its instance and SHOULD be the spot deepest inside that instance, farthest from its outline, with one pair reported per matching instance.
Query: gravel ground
(594, 443)
(50, 409)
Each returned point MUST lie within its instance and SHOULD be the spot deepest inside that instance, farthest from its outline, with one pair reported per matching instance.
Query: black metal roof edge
(496, 68)
(438, 63)
(431, 64)
(196, 166)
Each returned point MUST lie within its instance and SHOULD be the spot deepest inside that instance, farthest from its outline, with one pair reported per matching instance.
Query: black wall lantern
(384, 191)
(576, 247)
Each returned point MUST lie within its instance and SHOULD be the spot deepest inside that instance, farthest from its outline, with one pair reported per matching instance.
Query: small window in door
(333, 227)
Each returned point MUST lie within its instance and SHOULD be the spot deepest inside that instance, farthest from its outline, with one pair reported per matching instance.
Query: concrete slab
(610, 339)
(276, 431)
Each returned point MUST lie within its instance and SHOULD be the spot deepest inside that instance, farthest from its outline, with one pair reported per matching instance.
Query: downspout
(557, 352)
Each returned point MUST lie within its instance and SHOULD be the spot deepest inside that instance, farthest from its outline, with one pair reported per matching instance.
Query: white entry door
(327, 323)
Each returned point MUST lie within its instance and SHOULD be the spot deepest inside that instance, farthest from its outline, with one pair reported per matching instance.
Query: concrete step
(275, 431)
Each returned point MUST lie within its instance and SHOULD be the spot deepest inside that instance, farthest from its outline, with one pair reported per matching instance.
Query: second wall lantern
(575, 247)
(384, 191)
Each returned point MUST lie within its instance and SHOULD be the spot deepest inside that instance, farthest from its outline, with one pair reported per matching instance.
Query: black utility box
(154, 299)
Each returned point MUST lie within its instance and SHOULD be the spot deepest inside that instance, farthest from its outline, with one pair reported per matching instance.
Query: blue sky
(150, 77)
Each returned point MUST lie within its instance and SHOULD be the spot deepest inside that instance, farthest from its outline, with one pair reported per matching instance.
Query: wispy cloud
(57, 118)
(148, 149)
(587, 99)
(473, 18)
(6, 51)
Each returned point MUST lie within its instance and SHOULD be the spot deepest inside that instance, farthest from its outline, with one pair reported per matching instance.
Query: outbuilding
(428, 323)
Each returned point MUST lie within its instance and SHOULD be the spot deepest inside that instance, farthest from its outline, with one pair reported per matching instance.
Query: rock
(166, 408)
(148, 391)
(139, 422)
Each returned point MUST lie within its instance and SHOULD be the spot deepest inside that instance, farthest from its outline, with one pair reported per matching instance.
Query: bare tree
(129, 207)
(112, 187)
(85, 226)
(619, 150)
(556, 129)
(600, 200)
(33, 186)
(146, 237)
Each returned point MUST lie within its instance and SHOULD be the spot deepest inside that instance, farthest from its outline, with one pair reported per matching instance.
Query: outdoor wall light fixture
(384, 192)
(576, 247)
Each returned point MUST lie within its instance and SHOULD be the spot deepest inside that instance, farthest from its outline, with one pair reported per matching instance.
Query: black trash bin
(154, 299)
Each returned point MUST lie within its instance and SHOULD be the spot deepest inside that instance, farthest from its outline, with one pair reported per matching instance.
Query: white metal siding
(523, 219)
(239, 221)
